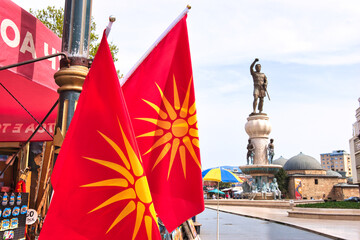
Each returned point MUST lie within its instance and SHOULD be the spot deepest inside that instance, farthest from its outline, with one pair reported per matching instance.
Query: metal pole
(70, 77)
(217, 229)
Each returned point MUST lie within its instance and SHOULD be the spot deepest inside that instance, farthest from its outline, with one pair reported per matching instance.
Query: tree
(52, 17)
(224, 185)
(283, 181)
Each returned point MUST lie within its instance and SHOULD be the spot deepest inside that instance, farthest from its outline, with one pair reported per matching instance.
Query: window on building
(336, 165)
(341, 161)
(342, 169)
(328, 166)
(316, 181)
(324, 166)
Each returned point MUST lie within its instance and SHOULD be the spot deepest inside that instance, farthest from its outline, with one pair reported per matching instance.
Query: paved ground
(235, 227)
(338, 229)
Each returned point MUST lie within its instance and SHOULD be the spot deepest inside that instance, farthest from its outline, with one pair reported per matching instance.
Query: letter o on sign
(4, 25)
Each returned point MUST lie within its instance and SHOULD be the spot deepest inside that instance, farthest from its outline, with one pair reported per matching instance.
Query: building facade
(354, 143)
(339, 161)
(308, 180)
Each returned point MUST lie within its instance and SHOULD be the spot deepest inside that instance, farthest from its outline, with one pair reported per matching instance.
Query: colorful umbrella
(216, 191)
(220, 175)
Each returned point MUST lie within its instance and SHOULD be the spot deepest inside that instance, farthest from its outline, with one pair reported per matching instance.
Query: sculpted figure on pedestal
(250, 153)
(260, 86)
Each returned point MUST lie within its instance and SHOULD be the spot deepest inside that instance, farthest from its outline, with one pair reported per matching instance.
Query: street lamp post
(72, 73)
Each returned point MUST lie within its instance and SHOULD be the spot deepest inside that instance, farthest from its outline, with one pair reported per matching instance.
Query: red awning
(22, 38)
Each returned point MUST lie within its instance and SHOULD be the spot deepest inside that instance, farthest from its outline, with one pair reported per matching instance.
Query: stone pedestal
(258, 128)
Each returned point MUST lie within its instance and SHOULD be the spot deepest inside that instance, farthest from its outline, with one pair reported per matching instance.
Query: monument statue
(263, 191)
(271, 152)
(260, 86)
(274, 187)
(250, 153)
(254, 190)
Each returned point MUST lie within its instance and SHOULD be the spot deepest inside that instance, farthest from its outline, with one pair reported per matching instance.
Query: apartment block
(338, 160)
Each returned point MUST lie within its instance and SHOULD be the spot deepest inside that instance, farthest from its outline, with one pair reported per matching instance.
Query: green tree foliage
(223, 185)
(283, 181)
(52, 17)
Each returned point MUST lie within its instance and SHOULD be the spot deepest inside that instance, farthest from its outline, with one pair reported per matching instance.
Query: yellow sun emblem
(135, 184)
(176, 131)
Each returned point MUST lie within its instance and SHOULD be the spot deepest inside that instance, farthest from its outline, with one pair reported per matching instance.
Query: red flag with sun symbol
(101, 190)
(161, 103)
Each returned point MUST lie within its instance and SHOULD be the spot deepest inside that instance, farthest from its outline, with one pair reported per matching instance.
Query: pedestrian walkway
(337, 229)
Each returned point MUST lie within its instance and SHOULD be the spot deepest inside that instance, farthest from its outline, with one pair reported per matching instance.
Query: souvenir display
(14, 223)
(23, 209)
(18, 199)
(6, 212)
(16, 211)
(12, 199)
(5, 199)
(13, 209)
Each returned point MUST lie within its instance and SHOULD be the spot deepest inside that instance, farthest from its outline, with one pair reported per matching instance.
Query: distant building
(339, 161)
(355, 148)
(308, 180)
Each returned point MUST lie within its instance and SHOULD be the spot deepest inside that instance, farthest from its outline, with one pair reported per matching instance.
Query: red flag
(161, 103)
(101, 190)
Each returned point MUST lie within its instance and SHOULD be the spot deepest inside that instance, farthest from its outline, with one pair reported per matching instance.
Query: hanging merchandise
(5, 199)
(12, 199)
(18, 199)
(23, 209)
(13, 215)
(14, 223)
(20, 186)
(5, 224)
(8, 235)
(16, 211)
(6, 212)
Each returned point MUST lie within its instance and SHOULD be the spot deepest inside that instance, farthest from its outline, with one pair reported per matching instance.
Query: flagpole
(186, 10)
(217, 229)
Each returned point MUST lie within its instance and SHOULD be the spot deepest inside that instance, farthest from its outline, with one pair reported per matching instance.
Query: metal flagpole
(186, 10)
(217, 230)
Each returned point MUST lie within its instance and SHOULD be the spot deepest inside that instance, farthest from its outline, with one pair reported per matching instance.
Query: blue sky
(309, 50)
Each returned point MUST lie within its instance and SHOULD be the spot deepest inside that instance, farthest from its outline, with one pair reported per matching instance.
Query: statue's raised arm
(252, 66)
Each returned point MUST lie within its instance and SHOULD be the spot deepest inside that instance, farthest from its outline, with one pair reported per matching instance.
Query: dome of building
(280, 161)
(302, 162)
(333, 173)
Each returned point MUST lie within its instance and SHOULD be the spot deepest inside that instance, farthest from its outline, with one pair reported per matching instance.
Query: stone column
(258, 128)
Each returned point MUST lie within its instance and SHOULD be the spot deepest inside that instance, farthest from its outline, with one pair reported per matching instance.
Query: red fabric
(22, 38)
(20, 186)
(171, 156)
(100, 146)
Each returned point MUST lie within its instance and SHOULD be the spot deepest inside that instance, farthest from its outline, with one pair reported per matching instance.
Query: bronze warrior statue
(260, 85)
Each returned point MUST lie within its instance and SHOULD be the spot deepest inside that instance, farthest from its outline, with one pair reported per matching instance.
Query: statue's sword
(267, 94)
